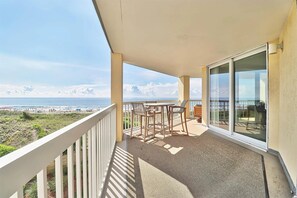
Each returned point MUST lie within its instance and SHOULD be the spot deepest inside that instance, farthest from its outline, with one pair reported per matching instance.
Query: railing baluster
(108, 136)
(18, 194)
(98, 154)
(84, 155)
(100, 164)
(70, 171)
(94, 167)
(129, 116)
(103, 147)
(78, 168)
(42, 183)
(125, 116)
(90, 163)
(103, 141)
(21, 193)
(59, 176)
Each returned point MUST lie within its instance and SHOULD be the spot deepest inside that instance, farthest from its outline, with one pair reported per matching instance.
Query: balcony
(199, 165)
(193, 39)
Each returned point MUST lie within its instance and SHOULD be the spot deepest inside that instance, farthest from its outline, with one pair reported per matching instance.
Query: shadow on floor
(184, 166)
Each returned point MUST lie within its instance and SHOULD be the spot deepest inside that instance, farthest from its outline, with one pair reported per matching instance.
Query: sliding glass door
(238, 97)
(219, 96)
(250, 96)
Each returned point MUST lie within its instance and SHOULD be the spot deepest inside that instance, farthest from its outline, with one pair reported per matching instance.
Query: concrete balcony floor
(199, 165)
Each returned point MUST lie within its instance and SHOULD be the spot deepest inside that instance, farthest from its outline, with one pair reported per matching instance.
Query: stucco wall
(273, 113)
(288, 94)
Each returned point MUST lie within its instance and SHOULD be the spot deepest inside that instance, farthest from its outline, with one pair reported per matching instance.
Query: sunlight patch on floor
(164, 146)
(156, 183)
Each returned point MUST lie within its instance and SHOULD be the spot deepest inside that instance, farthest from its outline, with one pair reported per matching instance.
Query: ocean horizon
(73, 103)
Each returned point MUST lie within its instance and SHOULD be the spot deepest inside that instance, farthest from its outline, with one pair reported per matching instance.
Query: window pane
(219, 96)
(250, 96)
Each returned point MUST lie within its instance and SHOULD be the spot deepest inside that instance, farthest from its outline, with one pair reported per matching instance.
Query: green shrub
(4, 149)
(126, 123)
(31, 189)
(52, 185)
(40, 131)
(26, 116)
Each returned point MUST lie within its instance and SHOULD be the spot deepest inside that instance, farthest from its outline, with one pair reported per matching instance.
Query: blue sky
(54, 48)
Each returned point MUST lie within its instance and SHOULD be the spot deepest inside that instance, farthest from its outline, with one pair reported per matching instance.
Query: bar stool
(138, 109)
(178, 110)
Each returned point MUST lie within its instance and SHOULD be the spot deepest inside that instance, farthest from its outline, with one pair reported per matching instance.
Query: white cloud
(88, 90)
(196, 88)
(159, 90)
(91, 90)
(28, 89)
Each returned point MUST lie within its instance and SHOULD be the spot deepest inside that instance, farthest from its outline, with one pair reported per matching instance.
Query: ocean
(64, 103)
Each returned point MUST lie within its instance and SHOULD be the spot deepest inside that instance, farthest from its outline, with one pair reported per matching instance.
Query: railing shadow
(121, 181)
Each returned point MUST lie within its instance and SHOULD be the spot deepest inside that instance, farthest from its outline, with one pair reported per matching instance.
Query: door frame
(231, 132)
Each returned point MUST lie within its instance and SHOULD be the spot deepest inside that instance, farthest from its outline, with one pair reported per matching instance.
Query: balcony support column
(184, 92)
(205, 82)
(117, 91)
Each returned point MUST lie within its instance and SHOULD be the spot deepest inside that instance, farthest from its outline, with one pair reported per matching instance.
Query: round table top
(159, 104)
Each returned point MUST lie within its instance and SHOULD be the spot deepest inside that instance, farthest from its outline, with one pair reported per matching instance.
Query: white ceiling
(177, 37)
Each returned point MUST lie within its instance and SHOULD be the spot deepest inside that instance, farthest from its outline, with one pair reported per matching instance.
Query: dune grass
(18, 129)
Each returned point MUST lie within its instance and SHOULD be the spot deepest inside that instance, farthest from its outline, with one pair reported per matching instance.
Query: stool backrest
(184, 102)
(153, 108)
(138, 108)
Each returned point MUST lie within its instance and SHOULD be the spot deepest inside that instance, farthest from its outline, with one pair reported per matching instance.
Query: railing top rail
(144, 101)
(21, 165)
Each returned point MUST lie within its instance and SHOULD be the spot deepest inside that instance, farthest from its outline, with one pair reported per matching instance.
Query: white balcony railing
(87, 162)
(127, 107)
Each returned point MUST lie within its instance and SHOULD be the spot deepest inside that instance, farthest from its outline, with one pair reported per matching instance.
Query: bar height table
(162, 105)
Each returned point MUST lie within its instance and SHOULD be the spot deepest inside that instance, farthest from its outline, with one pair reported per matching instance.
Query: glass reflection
(219, 96)
(250, 96)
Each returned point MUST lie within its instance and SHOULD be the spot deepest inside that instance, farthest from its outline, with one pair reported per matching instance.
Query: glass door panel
(219, 96)
(250, 79)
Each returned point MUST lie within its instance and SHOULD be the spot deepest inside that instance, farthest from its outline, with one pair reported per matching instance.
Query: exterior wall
(117, 91)
(184, 92)
(274, 97)
(288, 94)
(204, 96)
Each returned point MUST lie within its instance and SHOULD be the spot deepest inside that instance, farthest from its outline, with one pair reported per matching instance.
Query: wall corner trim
(290, 181)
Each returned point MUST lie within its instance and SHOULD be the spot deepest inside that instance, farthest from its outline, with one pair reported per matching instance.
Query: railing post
(94, 164)
(59, 176)
(78, 168)
(84, 153)
(70, 171)
(18, 194)
(90, 162)
(42, 184)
